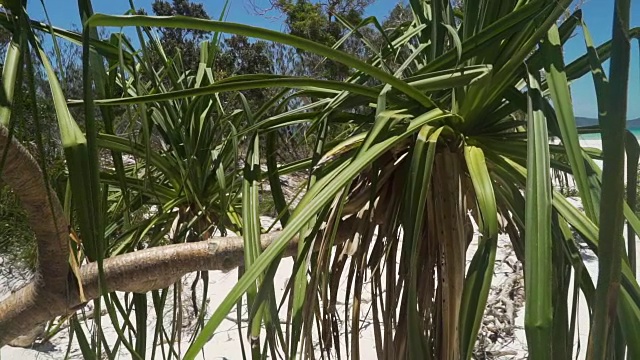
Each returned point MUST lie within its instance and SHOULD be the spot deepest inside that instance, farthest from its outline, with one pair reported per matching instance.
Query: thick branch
(54, 290)
(159, 267)
(46, 218)
(139, 271)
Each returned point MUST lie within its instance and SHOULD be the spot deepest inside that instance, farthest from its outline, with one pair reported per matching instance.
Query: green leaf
(632, 150)
(250, 31)
(251, 226)
(245, 82)
(613, 123)
(316, 199)
(559, 86)
(478, 280)
(538, 242)
(12, 63)
(416, 194)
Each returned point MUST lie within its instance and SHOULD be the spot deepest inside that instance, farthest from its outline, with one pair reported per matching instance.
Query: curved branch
(54, 292)
(159, 267)
(18, 313)
(142, 271)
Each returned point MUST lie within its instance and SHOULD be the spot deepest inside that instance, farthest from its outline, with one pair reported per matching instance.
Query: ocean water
(634, 131)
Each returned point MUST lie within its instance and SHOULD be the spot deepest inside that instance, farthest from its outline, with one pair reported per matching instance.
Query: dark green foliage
(17, 242)
(180, 41)
(5, 38)
(240, 56)
(318, 21)
(400, 14)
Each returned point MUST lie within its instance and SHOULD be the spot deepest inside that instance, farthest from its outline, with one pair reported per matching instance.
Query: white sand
(591, 264)
(225, 343)
(583, 327)
(597, 144)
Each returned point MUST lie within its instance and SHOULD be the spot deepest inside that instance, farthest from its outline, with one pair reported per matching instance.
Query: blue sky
(598, 15)
(64, 12)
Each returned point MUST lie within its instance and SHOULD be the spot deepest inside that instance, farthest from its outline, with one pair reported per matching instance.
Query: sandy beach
(596, 144)
(226, 342)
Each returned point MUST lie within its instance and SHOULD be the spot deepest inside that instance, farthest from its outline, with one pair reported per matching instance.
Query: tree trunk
(447, 230)
(33, 304)
(54, 290)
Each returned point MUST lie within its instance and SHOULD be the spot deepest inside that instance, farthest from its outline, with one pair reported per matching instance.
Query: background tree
(439, 140)
(400, 14)
(241, 56)
(180, 44)
(320, 21)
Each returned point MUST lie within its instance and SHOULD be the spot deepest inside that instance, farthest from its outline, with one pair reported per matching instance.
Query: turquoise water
(635, 131)
(590, 137)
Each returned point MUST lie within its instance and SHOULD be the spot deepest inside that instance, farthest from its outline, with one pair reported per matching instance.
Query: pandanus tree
(180, 181)
(436, 134)
(440, 139)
